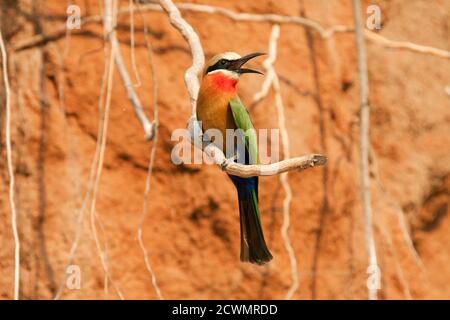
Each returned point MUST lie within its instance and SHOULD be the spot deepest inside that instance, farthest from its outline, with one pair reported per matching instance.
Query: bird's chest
(215, 114)
(213, 105)
(214, 111)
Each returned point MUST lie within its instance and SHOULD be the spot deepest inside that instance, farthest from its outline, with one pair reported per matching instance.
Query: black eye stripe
(221, 64)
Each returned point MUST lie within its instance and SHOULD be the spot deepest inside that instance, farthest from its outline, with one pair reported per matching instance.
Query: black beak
(237, 64)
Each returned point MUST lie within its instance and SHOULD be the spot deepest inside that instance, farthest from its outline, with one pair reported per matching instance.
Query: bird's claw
(227, 161)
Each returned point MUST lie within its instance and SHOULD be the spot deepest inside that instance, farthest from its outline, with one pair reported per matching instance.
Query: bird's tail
(253, 245)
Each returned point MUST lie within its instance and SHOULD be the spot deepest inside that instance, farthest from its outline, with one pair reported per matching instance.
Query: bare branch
(364, 143)
(12, 204)
(245, 171)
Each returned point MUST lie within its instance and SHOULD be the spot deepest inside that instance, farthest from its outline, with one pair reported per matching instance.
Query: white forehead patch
(230, 56)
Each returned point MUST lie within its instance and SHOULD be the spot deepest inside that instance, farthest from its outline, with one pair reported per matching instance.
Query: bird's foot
(227, 161)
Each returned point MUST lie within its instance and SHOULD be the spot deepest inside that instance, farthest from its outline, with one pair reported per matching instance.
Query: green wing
(243, 121)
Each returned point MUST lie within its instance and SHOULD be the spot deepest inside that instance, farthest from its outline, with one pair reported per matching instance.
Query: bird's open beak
(238, 63)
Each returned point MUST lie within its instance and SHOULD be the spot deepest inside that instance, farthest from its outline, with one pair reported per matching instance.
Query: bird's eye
(222, 62)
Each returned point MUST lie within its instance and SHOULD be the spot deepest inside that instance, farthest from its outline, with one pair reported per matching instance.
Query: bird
(219, 107)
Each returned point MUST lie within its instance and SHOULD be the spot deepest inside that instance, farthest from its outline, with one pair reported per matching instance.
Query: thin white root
(12, 204)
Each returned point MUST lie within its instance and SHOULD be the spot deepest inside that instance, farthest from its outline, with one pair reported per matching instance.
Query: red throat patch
(223, 82)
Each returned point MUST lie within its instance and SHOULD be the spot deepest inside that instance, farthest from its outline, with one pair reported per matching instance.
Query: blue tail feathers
(253, 245)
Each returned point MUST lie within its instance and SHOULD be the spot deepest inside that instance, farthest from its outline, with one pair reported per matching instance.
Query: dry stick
(272, 80)
(364, 146)
(11, 171)
(193, 85)
(109, 23)
(151, 161)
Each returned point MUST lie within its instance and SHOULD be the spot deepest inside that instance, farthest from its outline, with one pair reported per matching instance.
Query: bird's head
(230, 63)
(225, 68)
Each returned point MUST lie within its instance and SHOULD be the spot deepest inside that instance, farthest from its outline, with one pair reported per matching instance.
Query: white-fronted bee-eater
(219, 107)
